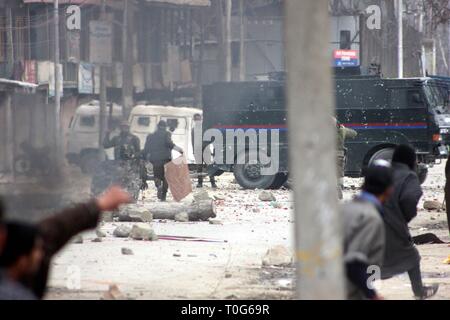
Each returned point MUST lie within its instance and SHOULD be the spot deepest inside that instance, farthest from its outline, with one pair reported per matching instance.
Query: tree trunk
(201, 210)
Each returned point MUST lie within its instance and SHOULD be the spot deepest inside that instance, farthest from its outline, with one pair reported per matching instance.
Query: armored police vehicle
(384, 112)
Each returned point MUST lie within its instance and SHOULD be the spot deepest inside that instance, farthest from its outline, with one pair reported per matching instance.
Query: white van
(144, 119)
(82, 140)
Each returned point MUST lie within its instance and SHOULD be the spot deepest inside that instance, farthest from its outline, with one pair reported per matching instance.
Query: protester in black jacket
(158, 150)
(401, 254)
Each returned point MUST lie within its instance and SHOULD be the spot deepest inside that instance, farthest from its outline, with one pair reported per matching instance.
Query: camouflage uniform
(343, 134)
(125, 170)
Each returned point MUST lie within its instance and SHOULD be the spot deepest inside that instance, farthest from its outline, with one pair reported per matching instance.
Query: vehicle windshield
(436, 99)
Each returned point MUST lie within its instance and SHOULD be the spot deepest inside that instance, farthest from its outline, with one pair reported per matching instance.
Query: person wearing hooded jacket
(401, 255)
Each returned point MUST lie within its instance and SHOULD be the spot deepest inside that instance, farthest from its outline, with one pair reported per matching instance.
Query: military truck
(442, 112)
(82, 138)
(384, 112)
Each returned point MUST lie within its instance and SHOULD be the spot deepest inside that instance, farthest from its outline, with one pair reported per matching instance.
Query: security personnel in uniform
(343, 134)
(126, 145)
(158, 150)
(126, 169)
(199, 157)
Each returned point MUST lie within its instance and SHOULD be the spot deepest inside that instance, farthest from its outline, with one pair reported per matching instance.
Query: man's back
(364, 237)
(159, 145)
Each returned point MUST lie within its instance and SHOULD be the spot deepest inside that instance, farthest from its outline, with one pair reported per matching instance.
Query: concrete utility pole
(400, 38)
(127, 55)
(228, 4)
(102, 123)
(242, 41)
(58, 133)
(312, 158)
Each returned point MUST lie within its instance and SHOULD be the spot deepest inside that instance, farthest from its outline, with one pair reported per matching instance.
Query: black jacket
(158, 146)
(401, 255)
(126, 146)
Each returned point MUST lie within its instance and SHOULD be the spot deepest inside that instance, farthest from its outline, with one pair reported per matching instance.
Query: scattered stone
(127, 251)
(107, 216)
(278, 256)
(256, 210)
(113, 293)
(219, 197)
(266, 196)
(143, 232)
(97, 240)
(135, 214)
(432, 205)
(276, 205)
(215, 221)
(202, 196)
(99, 233)
(77, 239)
(177, 255)
(122, 231)
(182, 217)
(228, 275)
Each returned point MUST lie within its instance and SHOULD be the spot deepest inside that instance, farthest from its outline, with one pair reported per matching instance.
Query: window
(345, 41)
(175, 125)
(144, 121)
(87, 121)
(406, 98)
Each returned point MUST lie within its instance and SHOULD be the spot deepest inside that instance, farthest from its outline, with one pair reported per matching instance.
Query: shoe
(213, 185)
(199, 185)
(428, 291)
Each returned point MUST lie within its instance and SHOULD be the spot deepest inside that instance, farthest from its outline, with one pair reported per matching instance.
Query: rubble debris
(432, 205)
(202, 196)
(122, 231)
(133, 213)
(276, 205)
(97, 240)
(177, 255)
(100, 234)
(127, 251)
(219, 197)
(143, 232)
(228, 275)
(113, 293)
(77, 239)
(215, 221)
(266, 196)
(197, 210)
(107, 216)
(278, 256)
(181, 217)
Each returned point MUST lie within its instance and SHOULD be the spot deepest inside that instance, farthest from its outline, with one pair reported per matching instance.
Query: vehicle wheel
(383, 154)
(248, 175)
(280, 179)
(22, 165)
(89, 163)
